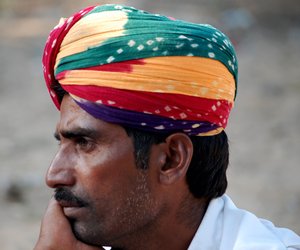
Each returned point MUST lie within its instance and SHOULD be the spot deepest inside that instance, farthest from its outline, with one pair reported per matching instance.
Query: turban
(144, 71)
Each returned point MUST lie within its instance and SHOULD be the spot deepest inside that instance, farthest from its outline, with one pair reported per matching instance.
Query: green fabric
(151, 35)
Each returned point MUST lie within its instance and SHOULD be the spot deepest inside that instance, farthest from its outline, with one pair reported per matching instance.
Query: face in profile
(103, 194)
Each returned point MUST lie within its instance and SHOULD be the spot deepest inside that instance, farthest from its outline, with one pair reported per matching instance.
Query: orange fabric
(193, 76)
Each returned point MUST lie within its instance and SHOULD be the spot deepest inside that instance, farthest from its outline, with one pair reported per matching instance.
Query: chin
(81, 232)
(86, 234)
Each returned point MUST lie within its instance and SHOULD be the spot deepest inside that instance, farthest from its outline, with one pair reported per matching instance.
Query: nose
(61, 170)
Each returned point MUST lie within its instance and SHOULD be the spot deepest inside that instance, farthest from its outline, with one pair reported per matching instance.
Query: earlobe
(179, 152)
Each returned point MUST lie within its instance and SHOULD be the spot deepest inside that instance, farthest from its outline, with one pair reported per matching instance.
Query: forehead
(74, 117)
(71, 113)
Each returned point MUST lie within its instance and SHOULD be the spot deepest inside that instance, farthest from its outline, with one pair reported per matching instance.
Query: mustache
(64, 194)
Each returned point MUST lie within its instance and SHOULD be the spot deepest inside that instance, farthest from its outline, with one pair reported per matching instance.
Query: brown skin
(63, 239)
(119, 204)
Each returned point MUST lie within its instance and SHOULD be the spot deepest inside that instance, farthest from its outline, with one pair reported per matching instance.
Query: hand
(56, 232)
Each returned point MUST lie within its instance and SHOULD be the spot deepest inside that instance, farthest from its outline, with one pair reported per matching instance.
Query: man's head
(144, 100)
(103, 193)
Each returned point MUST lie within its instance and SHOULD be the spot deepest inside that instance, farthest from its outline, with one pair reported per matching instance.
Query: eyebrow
(76, 133)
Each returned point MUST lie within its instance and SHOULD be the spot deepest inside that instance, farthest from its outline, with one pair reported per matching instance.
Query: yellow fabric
(194, 76)
(85, 33)
(212, 132)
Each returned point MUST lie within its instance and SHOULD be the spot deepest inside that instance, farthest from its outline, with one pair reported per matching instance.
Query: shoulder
(288, 238)
(225, 227)
(251, 232)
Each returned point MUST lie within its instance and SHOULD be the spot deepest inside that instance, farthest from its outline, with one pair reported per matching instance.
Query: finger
(55, 228)
(56, 232)
(54, 218)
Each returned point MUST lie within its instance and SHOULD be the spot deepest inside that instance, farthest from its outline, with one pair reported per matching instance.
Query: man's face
(103, 194)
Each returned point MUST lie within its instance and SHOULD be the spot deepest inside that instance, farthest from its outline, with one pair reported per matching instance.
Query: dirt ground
(263, 129)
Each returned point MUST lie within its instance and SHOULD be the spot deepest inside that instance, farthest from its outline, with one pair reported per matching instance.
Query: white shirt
(226, 227)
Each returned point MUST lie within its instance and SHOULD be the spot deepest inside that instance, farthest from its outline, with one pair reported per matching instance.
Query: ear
(178, 154)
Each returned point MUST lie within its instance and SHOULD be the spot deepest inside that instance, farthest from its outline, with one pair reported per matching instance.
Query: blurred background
(264, 173)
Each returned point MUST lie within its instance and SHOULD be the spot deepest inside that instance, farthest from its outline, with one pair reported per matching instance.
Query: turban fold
(143, 70)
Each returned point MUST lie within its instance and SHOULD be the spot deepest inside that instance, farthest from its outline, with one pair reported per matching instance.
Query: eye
(84, 144)
(58, 140)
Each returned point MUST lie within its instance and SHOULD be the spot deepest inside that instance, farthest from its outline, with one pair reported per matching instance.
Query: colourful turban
(143, 70)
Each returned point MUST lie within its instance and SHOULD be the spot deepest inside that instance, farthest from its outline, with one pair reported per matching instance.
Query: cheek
(106, 172)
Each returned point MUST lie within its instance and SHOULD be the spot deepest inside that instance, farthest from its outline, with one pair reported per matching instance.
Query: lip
(73, 212)
(66, 204)
(71, 209)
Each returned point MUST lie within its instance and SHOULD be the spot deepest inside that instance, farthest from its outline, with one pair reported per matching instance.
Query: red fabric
(157, 103)
(52, 48)
(125, 66)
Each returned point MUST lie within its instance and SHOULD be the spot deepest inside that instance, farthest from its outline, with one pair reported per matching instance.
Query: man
(144, 100)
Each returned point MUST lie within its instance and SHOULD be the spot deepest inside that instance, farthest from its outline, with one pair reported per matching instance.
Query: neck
(174, 230)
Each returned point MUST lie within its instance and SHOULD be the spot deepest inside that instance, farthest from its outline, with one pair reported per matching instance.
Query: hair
(206, 175)
(59, 91)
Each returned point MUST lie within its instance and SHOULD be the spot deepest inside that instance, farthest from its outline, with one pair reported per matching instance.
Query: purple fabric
(148, 122)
